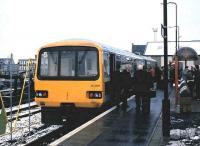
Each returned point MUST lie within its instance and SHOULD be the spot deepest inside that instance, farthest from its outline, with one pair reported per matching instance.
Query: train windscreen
(68, 63)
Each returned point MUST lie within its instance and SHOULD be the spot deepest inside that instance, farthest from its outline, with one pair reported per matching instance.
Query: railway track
(66, 128)
(70, 126)
(15, 99)
(25, 113)
(24, 107)
(45, 134)
(21, 126)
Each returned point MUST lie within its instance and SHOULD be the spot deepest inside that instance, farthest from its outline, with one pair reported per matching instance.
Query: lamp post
(166, 101)
(176, 57)
(176, 22)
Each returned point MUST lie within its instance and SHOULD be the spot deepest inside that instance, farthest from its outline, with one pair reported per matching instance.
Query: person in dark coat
(197, 81)
(190, 82)
(158, 76)
(116, 81)
(171, 74)
(142, 84)
(162, 78)
(125, 85)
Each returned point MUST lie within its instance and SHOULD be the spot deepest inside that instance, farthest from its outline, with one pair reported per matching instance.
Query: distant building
(23, 64)
(138, 49)
(5, 66)
(156, 50)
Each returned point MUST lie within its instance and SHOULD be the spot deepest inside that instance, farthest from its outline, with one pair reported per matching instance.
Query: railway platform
(116, 127)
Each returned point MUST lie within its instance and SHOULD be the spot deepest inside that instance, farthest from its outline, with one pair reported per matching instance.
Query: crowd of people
(139, 84)
(145, 79)
(191, 75)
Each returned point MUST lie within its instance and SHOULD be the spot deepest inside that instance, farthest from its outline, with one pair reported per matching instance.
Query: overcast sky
(26, 25)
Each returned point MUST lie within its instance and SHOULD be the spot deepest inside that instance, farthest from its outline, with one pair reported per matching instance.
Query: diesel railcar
(76, 74)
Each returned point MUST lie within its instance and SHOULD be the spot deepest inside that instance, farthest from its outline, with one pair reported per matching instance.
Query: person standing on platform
(157, 76)
(152, 72)
(162, 78)
(125, 84)
(171, 74)
(190, 82)
(184, 73)
(197, 81)
(142, 84)
(116, 81)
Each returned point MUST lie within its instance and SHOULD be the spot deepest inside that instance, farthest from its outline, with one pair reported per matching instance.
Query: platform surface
(118, 128)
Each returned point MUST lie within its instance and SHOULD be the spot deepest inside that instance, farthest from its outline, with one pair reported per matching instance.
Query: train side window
(106, 67)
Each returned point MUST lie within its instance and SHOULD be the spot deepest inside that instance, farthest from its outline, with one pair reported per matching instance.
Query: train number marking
(95, 85)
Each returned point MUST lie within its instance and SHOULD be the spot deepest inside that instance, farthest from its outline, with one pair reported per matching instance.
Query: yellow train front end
(69, 76)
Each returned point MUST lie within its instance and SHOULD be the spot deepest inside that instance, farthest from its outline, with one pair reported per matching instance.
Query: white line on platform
(67, 136)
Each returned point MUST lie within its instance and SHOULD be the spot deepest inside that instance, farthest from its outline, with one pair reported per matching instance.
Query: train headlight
(41, 94)
(94, 94)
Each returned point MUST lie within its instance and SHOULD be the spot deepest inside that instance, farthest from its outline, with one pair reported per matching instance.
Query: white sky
(26, 25)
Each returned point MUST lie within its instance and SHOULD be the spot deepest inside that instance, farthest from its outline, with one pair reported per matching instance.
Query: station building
(156, 51)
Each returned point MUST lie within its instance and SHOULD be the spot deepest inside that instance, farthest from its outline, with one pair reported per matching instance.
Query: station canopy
(157, 48)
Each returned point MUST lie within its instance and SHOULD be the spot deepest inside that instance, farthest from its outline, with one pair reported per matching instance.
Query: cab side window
(106, 67)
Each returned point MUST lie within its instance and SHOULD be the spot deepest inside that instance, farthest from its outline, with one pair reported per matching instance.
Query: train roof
(72, 42)
(121, 52)
(93, 43)
(148, 58)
